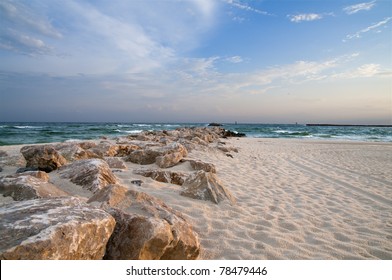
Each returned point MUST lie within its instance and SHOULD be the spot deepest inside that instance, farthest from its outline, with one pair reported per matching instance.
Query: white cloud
(367, 29)
(243, 6)
(353, 9)
(363, 71)
(305, 17)
(235, 59)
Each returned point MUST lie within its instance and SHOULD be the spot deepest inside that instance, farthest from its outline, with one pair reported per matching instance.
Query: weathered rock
(26, 187)
(126, 150)
(146, 228)
(168, 160)
(200, 165)
(112, 195)
(87, 145)
(164, 176)
(115, 163)
(3, 153)
(105, 149)
(43, 157)
(92, 174)
(149, 154)
(37, 174)
(73, 151)
(206, 186)
(137, 237)
(26, 169)
(57, 228)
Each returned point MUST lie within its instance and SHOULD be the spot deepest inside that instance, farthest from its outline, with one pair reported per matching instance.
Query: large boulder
(105, 149)
(73, 151)
(164, 176)
(146, 228)
(206, 186)
(91, 174)
(53, 229)
(25, 187)
(145, 156)
(162, 155)
(115, 163)
(43, 157)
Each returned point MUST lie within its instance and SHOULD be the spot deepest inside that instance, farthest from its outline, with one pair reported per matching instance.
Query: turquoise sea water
(28, 133)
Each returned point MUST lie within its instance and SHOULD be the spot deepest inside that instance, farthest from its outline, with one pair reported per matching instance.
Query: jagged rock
(105, 149)
(53, 229)
(137, 237)
(26, 187)
(92, 174)
(145, 156)
(164, 176)
(168, 160)
(126, 150)
(73, 151)
(146, 228)
(206, 186)
(116, 163)
(200, 165)
(149, 154)
(43, 157)
(112, 195)
(199, 141)
(87, 145)
(3, 154)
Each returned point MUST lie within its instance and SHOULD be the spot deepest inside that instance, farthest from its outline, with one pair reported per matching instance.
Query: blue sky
(263, 61)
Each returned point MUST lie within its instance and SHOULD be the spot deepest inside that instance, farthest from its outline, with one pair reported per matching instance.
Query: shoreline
(295, 198)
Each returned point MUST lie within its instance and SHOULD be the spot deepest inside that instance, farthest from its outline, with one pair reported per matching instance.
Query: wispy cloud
(367, 29)
(235, 59)
(353, 9)
(305, 17)
(244, 6)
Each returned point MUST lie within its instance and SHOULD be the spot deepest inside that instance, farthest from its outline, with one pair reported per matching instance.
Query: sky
(260, 61)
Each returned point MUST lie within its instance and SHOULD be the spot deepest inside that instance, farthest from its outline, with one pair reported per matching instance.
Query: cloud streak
(353, 9)
(304, 17)
(367, 29)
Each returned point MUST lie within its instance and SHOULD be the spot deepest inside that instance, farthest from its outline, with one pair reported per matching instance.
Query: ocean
(30, 133)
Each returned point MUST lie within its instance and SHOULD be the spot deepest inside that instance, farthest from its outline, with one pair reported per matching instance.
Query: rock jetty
(65, 201)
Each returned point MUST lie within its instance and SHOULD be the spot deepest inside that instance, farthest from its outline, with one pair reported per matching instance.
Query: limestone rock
(43, 157)
(38, 174)
(200, 165)
(206, 186)
(145, 156)
(146, 228)
(126, 150)
(137, 237)
(26, 187)
(105, 149)
(53, 229)
(115, 163)
(164, 176)
(149, 154)
(73, 151)
(168, 160)
(92, 174)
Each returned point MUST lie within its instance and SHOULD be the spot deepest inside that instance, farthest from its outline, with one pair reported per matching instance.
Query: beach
(294, 198)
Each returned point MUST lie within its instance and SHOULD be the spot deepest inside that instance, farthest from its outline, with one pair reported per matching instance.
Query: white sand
(296, 199)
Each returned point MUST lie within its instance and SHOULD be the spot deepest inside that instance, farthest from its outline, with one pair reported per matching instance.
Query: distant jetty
(363, 125)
